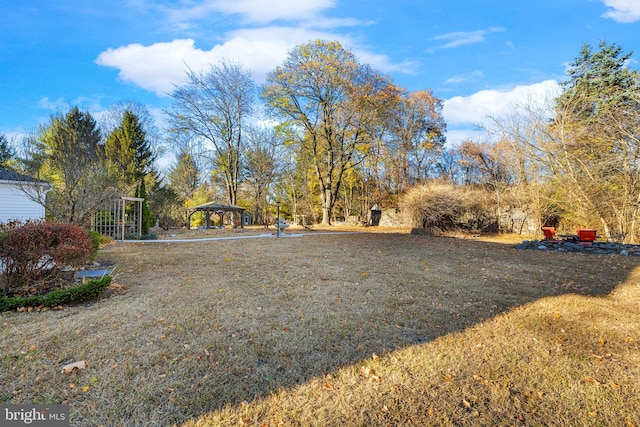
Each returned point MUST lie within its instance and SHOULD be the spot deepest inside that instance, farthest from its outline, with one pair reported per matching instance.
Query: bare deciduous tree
(213, 108)
(263, 162)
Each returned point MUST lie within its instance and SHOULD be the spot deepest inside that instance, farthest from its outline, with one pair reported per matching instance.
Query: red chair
(586, 235)
(549, 233)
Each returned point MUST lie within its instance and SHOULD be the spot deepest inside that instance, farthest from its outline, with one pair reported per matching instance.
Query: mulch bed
(587, 248)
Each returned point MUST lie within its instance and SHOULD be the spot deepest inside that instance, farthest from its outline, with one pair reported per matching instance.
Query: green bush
(3, 236)
(105, 240)
(85, 292)
(96, 239)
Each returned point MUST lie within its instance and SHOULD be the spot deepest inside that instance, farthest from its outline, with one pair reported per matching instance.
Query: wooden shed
(18, 195)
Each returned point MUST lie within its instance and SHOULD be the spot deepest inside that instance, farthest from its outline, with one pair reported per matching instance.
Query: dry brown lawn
(338, 329)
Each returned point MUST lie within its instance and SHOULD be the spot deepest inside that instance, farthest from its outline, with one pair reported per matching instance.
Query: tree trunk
(327, 202)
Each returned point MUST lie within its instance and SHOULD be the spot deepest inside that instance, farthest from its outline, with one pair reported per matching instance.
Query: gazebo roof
(217, 208)
(213, 206)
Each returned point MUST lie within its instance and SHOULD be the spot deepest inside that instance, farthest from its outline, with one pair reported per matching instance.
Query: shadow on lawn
(333, 301)
(243, 319)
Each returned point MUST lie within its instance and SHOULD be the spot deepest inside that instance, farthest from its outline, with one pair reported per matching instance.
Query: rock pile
(574, 246)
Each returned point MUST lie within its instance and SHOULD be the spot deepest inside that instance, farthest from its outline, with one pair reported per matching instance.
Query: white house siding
(14, 204)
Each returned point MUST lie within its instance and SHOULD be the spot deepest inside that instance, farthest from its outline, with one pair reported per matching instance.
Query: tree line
(328, 137)
(344, 134)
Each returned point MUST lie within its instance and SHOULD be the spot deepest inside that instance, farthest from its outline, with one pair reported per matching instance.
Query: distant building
(15, 203)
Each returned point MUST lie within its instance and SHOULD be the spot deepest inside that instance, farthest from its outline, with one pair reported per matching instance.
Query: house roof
(9, 175)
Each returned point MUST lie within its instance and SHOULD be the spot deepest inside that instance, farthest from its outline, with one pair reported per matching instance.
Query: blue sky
(480, 56)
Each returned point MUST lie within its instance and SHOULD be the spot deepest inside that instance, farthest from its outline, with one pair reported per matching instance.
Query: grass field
(339, 329)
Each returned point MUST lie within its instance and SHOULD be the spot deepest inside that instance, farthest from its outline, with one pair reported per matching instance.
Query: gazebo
(220, 210)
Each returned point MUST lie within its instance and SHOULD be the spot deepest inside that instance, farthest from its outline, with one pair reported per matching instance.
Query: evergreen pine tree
(147, 218)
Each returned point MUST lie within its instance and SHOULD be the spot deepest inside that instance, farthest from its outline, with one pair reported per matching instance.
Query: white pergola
(121, 220)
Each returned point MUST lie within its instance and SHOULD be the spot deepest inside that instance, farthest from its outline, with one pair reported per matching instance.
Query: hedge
(84, 292)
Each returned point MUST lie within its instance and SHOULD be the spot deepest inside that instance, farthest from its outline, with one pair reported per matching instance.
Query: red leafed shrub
(35, 255)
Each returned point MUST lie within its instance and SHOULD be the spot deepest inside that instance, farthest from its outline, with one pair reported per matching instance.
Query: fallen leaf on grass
(67, 369)
(370, 374)
(589, 379)
(327, 386)
(479, 379)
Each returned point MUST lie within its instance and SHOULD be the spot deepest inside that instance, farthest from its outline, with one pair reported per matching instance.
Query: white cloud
(458, 136)
(467, 117)
(15, 136)
(160, 66)
(52, 105)
(464, 37)
(382, 62)
(466, 77)
(85, 103)
(625, 11)
(251, 11)
(156, 67)
(262, 11)
(478, 107)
